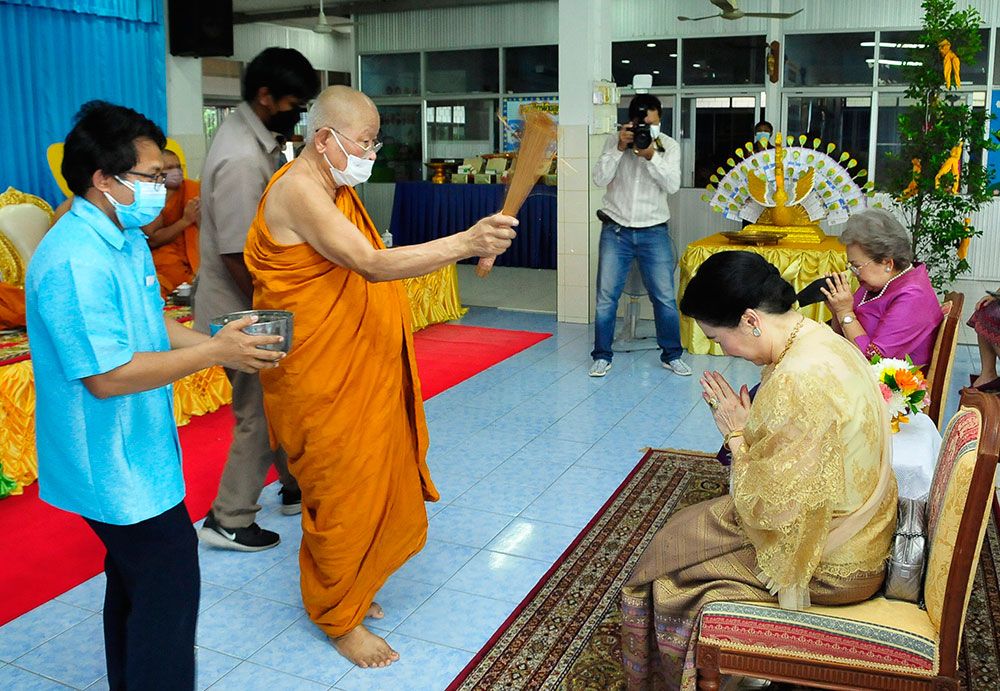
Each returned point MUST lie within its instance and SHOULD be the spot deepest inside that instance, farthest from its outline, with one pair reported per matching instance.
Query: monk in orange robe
(173, 236)
(345, 403)
(11, 306)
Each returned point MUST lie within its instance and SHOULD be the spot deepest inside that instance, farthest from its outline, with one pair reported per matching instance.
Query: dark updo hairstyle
(729, 283)
(103, 138)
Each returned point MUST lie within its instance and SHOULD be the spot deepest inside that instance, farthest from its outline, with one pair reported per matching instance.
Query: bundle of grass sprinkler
(534, 156)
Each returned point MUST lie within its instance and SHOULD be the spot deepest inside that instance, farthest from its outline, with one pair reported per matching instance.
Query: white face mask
(654, 131)
(358, 169)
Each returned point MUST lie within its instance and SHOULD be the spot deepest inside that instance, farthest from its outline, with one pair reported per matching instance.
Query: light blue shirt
(93, 302)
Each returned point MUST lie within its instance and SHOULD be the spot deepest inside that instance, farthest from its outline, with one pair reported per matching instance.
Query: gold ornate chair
(878, 644)
(943, 358)
(24, 220)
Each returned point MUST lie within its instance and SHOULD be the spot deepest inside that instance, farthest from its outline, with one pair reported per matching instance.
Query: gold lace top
(814, 447)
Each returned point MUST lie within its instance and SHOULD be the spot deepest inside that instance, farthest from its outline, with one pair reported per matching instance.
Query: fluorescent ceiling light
(890, 44)
(896, 63)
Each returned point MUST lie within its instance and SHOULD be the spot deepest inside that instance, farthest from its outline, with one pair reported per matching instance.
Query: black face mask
(284, 121)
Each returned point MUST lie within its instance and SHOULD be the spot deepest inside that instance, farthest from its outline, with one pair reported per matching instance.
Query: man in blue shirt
(104, 359)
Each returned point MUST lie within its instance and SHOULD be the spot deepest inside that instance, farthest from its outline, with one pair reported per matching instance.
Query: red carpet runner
(48, 551)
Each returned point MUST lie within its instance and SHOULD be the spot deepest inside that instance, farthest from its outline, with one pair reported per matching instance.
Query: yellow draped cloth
(196, 394)
(800, 265)
(434, 297)
(345, 405)
(177, 261)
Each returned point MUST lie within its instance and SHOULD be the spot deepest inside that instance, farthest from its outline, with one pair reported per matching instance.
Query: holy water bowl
(269, 322)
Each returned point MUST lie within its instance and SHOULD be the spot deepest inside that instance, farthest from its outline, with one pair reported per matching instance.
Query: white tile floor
(523, 454)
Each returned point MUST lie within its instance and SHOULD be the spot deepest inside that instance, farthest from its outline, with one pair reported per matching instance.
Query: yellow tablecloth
(196, 394)
(800, 265)
(433, 299)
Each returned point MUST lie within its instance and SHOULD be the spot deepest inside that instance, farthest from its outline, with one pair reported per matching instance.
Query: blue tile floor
(524, 454)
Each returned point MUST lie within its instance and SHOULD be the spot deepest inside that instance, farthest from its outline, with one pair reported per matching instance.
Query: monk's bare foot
(365, 649)
(375, 612)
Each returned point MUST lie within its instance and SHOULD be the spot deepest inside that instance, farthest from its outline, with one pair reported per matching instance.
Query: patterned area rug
(565, 635)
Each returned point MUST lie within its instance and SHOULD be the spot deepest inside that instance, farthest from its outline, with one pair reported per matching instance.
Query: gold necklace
(791, 337)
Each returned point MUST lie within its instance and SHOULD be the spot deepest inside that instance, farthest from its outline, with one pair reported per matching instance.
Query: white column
(184, 104)
(584, 56)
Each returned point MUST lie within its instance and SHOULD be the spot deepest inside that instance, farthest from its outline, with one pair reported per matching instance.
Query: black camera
(643, 138)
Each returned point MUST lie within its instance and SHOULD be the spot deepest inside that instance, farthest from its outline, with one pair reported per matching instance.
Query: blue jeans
(651, 246)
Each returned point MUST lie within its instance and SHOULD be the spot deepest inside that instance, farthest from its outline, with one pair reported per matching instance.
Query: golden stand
(808, 235)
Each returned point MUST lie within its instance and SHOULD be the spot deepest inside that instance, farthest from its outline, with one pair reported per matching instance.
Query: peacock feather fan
(818, 179)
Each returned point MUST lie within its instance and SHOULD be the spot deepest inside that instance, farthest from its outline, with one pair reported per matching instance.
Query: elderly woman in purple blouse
(895, 312)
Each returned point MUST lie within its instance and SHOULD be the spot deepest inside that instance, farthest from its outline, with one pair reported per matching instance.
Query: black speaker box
(201, 28)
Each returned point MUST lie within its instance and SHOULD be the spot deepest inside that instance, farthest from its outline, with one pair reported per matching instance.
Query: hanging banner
(513, 113)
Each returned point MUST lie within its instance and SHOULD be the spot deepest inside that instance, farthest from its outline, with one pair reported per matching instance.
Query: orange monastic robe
(345, 405)
(11, 306)
(177, 261)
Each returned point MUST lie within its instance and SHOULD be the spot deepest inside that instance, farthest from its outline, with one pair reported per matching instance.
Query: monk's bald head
(344, 109)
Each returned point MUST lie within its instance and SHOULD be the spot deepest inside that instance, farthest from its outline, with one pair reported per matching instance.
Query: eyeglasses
(856, 270)
(155, 178)
(372, 148)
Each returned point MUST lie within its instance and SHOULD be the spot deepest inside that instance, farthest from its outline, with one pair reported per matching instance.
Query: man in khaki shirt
(241, 160)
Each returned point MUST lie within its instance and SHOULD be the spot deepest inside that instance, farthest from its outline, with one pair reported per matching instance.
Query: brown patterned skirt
(698, 557)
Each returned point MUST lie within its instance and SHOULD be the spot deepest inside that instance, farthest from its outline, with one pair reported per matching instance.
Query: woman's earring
(756, 332)
(888, 269)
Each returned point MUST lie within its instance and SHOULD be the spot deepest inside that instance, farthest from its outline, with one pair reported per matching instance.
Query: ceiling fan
(730, 10)
(323, 26)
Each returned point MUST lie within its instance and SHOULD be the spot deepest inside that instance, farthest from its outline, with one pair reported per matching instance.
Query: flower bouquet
(903, 387)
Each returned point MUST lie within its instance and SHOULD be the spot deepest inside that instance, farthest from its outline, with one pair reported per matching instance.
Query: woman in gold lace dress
(813, 503)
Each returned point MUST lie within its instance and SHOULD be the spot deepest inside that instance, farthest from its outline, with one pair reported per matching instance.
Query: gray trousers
(250, 456)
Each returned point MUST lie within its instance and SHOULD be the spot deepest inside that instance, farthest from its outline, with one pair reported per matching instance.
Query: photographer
(640, 166)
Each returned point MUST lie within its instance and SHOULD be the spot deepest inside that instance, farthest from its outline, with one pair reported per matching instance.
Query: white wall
(378, 198)
(334, 52)
(641, 19)
(184, 103)
(506, 24)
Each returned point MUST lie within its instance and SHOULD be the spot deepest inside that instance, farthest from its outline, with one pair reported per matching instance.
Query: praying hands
(838, 293)
(729, 409)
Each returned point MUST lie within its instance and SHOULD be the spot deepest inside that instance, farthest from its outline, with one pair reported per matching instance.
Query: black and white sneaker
(291, 501)
(253, 538)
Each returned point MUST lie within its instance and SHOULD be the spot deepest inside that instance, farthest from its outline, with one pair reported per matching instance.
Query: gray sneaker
(678, 367)
(600, 368)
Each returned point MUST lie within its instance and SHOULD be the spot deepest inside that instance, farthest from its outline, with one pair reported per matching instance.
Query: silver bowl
(269, 322)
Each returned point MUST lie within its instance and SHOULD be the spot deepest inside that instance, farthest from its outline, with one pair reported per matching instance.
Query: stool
(627, 340)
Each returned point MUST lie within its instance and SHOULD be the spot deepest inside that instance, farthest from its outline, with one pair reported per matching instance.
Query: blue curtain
(135, 10)
(423, 211)
(58, 54)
